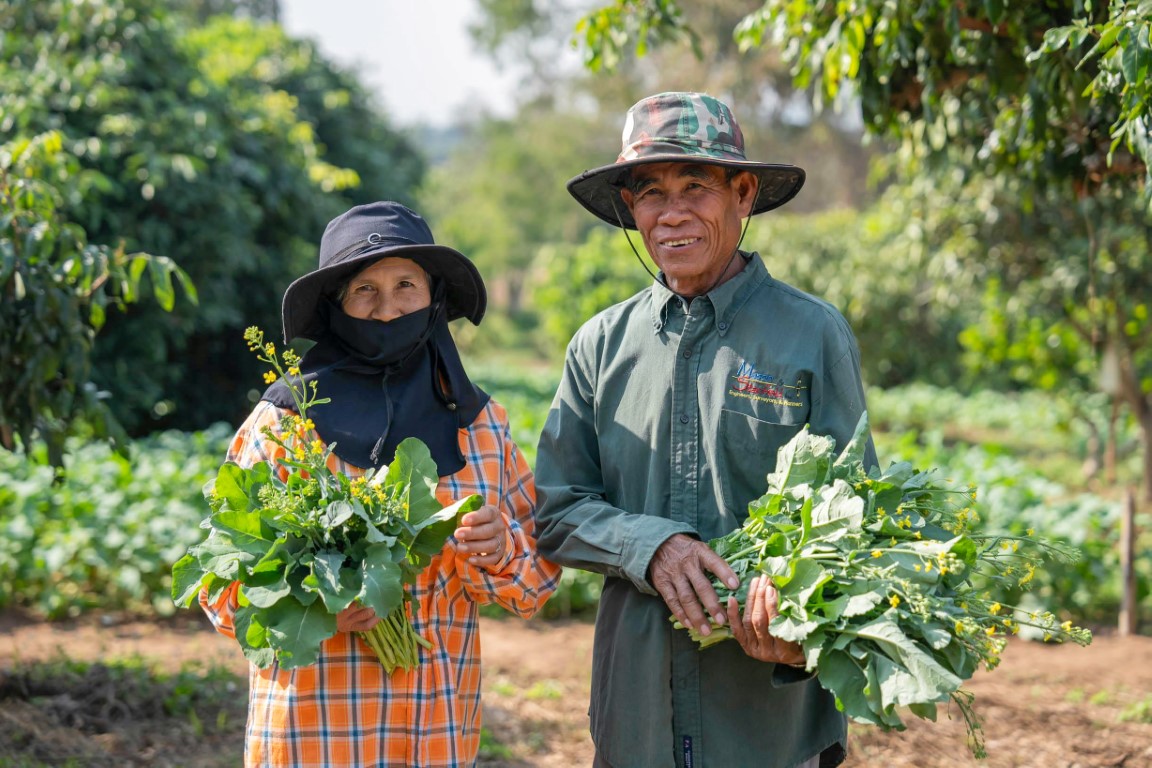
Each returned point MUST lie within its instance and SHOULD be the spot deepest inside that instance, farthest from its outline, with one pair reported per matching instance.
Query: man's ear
(746, 184)
(628, 197)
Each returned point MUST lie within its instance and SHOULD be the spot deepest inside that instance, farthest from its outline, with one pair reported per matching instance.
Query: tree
(55, 288)
(1050, 98)
(225, 146)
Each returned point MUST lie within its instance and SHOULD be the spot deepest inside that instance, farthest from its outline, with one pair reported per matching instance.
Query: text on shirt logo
(754, 385)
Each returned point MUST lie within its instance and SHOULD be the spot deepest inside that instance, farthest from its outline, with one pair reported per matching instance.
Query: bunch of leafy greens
(883, 580)
(305, 542)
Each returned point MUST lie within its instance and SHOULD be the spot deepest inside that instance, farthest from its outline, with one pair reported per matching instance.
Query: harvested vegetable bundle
(880, 576)
(306, 542)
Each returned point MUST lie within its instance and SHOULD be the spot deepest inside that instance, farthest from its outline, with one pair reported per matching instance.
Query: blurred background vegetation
(976, 205)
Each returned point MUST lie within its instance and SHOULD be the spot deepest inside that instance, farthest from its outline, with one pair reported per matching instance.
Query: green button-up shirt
(667, 420)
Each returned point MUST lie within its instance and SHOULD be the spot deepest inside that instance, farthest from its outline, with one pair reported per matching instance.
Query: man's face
(689, 217)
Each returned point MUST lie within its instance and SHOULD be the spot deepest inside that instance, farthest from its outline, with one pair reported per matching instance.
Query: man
(665, 426)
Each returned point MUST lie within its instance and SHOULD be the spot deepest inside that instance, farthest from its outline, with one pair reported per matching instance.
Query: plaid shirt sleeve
(523, 582)
(343, 710)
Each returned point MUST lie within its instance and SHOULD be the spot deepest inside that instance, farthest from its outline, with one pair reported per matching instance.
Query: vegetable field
(98, 668)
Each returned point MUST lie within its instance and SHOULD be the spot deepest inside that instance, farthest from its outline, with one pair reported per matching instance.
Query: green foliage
(55, 289)
(107, 534)
(882, 579)
(607, 31)
(577, 281)
(306, 546)
(226, 147)
(501, 197)
(525, 393)
(891, 290)
(1121, 55)
(305, 541)
(1024, 451)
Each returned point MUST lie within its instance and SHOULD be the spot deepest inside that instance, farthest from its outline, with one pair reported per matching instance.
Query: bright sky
(416, 54)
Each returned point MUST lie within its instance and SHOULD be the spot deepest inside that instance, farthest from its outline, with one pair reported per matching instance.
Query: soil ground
(1045, 706)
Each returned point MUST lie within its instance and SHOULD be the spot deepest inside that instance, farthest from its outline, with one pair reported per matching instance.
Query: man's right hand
(679, 572)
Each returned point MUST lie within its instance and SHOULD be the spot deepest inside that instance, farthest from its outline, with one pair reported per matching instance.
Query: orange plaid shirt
(343, 710)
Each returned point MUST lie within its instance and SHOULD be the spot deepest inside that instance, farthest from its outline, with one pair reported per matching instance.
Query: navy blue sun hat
(365, 234)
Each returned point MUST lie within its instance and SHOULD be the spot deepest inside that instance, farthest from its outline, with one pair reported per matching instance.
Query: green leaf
(918, 677)
(335, 514)
(860, 604)
(1137, 58)
(381, 589)
(843, 676)
(219, 556)
(434, 530)
(803, 460)
(838, 512)
(245, 528)
(412, 479)
(238, 486)
(853, 453)
(338, 586)
(267, 588)
(296, 631)
(187, 578)
(253, 637)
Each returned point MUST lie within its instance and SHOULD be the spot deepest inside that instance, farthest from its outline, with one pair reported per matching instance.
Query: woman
(378, 308)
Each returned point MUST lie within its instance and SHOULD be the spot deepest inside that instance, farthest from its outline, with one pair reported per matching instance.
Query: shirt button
(683, 418)
(687, 353)
(722, 326)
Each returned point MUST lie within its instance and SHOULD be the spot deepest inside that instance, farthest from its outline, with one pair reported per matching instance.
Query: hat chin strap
(736, 250)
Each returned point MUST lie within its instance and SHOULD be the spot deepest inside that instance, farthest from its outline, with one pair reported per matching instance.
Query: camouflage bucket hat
(679, 127)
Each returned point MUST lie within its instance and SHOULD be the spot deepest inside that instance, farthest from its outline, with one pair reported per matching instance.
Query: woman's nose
(386, 309)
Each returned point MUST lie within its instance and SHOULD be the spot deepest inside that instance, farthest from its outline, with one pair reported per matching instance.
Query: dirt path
(1045, 706)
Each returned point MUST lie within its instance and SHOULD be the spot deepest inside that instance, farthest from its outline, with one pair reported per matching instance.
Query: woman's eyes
(369, 287)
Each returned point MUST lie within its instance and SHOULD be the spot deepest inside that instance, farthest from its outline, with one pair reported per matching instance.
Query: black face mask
(388, 381)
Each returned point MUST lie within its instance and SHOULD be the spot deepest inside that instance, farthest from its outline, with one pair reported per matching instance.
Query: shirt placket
(685, 502)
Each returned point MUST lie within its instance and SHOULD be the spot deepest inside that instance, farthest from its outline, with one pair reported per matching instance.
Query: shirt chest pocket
(746, 453)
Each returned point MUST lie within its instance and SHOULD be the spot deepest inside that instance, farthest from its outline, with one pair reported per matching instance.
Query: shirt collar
(726, 298)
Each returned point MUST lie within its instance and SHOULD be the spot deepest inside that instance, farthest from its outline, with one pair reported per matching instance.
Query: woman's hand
(356, 618)
(482, 536)
(751, 631)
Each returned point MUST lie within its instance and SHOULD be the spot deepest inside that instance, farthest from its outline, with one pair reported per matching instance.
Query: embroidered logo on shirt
(754, 385)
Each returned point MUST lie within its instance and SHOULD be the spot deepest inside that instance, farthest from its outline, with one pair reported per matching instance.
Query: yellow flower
(309, 425)
(894, 601)
(317, 446)
(994, 608)
(270, 349)
(990, 631)
(293, 371)
(1066, 626)
(269, 377)
(1031, 531)
(877, 553)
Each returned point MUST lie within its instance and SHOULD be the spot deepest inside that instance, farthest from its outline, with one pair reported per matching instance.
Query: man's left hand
(751, 631)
